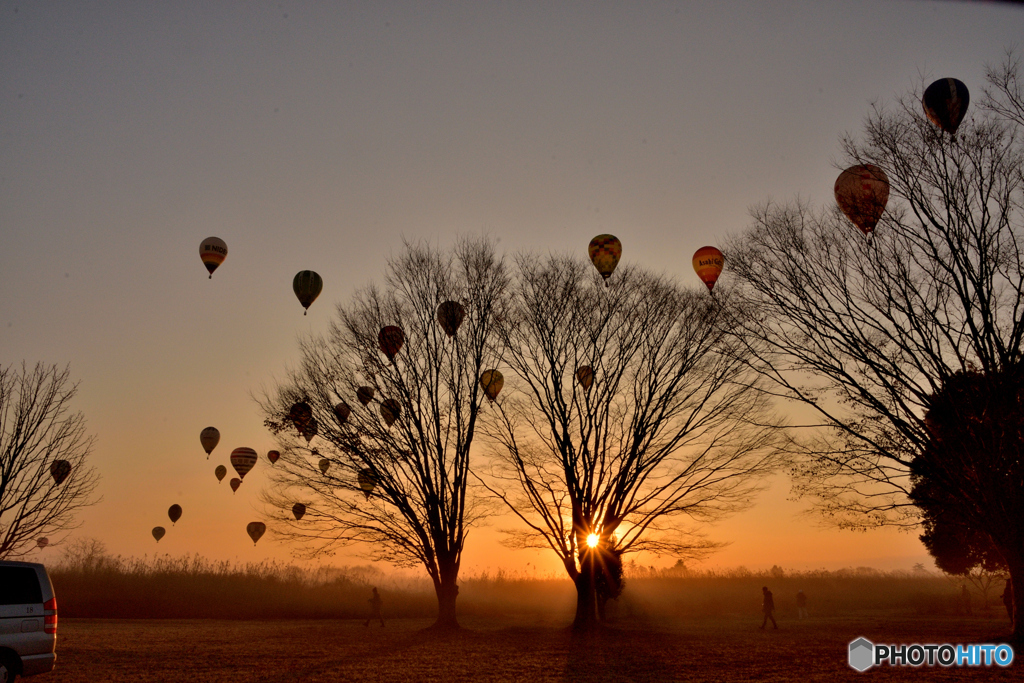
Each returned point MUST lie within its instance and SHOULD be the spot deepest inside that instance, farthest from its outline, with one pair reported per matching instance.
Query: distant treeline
(90, 583)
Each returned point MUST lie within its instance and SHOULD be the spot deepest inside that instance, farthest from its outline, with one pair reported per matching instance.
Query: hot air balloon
(585, 376)
(235, 483)
(605, 251)
(221, 471)
(158, 533)
(59, 470)
(324, 464)
(390, 339)
(307, 286)
(310, 430)
(862, 192)
(367, 482)
(300, 414)
(298, 510)
(945, 103)
(174, 512)
(342, 411)
(273, 456)
(209, 437)
(243, 459)
(42, 542)
(365, 395)
(390, 410)
(213, 251)
(492, 382)
(255, 530)
(707, 262)
(449, 316)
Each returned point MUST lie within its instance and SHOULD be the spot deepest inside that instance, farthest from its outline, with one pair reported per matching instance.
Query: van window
(19, 586)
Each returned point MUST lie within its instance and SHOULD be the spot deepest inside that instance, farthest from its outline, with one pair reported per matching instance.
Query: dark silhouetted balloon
(585, 376)
(300, 414)
(174, 512)
(707, 263)
(342, 411)
(605, 252)
(390, 410)
(209, 437)
(367, 482)
(945, 103)
(42, 542)
(243, 459)
(255, 530)
(307, 286)
(298, 510)
(365, 395)
(324, 465)
(862, 192)
(213, 251)
(235, 483)
(492, 382)
(390, 339)
(273, 456)
(158, 533)
(59, 470)
(220, 472)
(449, 316)
(310, 430)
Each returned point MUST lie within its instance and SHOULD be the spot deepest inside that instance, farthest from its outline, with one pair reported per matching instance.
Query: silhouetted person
(1008, 599)
(965, 599)
(768, 607)
(801, 604)
(375, 605)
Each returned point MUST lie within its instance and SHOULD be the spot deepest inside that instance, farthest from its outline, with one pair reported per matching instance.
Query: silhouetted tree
(627, 415)
(865, 334)
(417, 512)
(44, 451)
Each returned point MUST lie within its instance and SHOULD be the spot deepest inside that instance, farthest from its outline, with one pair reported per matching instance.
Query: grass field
(729, 648)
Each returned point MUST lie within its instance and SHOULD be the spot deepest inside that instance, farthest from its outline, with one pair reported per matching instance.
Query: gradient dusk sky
(319, 135)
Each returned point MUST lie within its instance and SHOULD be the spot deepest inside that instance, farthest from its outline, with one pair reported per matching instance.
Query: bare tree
(628, 415)
(392, 474)
(44, 450)
(866, 334)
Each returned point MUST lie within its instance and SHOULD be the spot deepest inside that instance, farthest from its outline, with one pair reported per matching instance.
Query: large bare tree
(626, 420)
(866, 333)
(45, 478)
(391, 475)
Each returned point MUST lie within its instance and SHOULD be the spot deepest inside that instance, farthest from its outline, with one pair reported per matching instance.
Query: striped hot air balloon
(213, 251)
(243, 459)
(945, 103)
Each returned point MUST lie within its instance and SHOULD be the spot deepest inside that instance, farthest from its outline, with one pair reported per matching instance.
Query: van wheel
(7, 670)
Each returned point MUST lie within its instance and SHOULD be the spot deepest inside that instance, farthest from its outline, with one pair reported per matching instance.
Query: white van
(28, 620)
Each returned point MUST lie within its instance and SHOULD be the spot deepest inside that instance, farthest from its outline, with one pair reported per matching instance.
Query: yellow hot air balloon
(390, 410)
(298, 510)
(707, 262)
(390, 339)
(449, 316)
(492, 382)
(235, 483)
(209, 437)
(243, 459)
(158, 533)
(307, 286)
(324, 465)
(213, 251)
(174, 512)
(605, 252)
(585, 376)
(255, 530)
(862, 192)
(220, 472)
(367, 482)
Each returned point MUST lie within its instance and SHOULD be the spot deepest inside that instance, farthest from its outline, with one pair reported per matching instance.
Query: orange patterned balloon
(707, 261)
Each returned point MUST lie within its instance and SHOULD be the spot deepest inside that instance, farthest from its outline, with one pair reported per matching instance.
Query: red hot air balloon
(862, 192)
(174, 512)
(255, 530)
(449, 316)
(342, 411)
(59, 470)
(391, 339)
(298, 510)
(945, 103)
(492, 382)
(605, 252)
(209, 437)
(213, 251)
(585, 376)
(307, 286)
(273, 456)
(235, 483)
(390, 410)
(707, 262)
(243, 459)
(365, 395)
(158, 533)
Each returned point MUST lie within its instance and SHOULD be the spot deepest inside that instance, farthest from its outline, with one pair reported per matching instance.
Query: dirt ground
(722, 649)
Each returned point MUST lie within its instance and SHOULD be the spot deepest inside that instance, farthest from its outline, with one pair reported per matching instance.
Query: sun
(593, 540)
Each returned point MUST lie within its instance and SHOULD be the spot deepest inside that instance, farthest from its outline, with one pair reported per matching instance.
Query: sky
(321, 135)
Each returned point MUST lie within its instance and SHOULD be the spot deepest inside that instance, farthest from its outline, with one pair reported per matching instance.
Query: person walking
(375, 604)
(768, 607)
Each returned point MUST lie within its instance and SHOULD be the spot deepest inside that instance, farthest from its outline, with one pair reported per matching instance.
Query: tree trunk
(1016, 567)
(447, 592)
(586, 597)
